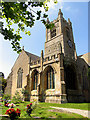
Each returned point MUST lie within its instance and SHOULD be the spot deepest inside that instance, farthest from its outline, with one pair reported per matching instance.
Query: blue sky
(78, 14)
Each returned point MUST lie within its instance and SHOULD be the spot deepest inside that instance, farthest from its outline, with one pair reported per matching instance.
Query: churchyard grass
(43, 110)
(82, 106)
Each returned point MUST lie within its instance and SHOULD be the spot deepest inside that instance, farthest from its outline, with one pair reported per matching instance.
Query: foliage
(1, 92)
(13, 114)
(24, 92)
(17, 98)
(29, 109)
(3, 83)
(7, 97)
(22, 15)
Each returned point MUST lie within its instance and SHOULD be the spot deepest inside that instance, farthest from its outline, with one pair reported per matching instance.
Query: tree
(22, 14)
(2, 84)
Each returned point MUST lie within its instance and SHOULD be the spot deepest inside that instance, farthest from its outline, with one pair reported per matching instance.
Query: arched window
(34, 80)
(19, 78)
(50, 79)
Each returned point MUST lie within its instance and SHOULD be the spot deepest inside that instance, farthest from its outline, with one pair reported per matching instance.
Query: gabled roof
(33, 57)
(86, 57)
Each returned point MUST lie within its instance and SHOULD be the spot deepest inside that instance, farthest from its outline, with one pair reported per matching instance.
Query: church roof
(86, 57)
(33, 57)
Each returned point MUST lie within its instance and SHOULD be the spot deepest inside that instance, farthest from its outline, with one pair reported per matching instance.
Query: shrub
(24, 93)
(6, 96)
(29, 109)
(17, 98)
(13, 114)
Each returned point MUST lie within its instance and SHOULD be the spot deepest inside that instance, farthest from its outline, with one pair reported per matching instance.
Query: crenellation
(53, 57)
(35, 62)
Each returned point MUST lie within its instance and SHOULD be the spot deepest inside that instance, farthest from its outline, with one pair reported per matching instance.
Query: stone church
(59, 75)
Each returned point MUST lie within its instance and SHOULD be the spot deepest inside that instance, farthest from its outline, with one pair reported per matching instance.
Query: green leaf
(45, 16)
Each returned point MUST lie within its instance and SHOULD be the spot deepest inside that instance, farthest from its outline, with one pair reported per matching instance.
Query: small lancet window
(19, 78)
(35, 80)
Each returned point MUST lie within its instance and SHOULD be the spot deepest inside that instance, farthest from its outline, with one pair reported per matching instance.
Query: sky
(78, 14)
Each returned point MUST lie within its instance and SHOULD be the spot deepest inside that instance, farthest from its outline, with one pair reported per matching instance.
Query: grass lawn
(44, 111)
(82, 106)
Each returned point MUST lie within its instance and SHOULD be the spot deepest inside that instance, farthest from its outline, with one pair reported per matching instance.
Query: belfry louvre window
(53, 33)
(35, 81)
(19, 78)
(67, 32)
(50, 79)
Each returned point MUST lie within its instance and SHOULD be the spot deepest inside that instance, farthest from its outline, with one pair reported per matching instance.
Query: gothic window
(35, 80)
(50, 79)
(19, 78)
(53, 33)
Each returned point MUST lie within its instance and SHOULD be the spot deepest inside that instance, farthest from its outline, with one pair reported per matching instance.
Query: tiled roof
(86, 57)
(33, 57)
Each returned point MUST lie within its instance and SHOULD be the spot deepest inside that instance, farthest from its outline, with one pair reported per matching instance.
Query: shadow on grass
(58, 118)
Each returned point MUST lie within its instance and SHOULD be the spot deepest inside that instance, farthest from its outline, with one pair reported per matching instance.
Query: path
(84, 113)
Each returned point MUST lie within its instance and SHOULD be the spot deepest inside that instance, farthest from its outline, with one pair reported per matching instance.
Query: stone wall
(9, 84)
(23, 63)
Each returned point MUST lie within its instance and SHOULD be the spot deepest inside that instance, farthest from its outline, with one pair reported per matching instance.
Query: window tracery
(19, 78)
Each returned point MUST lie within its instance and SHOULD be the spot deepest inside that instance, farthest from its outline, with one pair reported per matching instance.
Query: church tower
(60, 38)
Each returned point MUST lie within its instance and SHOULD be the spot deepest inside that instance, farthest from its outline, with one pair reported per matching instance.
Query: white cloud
(68, 8)
(54, 7)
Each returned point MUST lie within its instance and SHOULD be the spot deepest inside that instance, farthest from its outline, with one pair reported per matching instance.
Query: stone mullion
(49, 80)
(53, 79)
(35, 82)
(20, 79)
